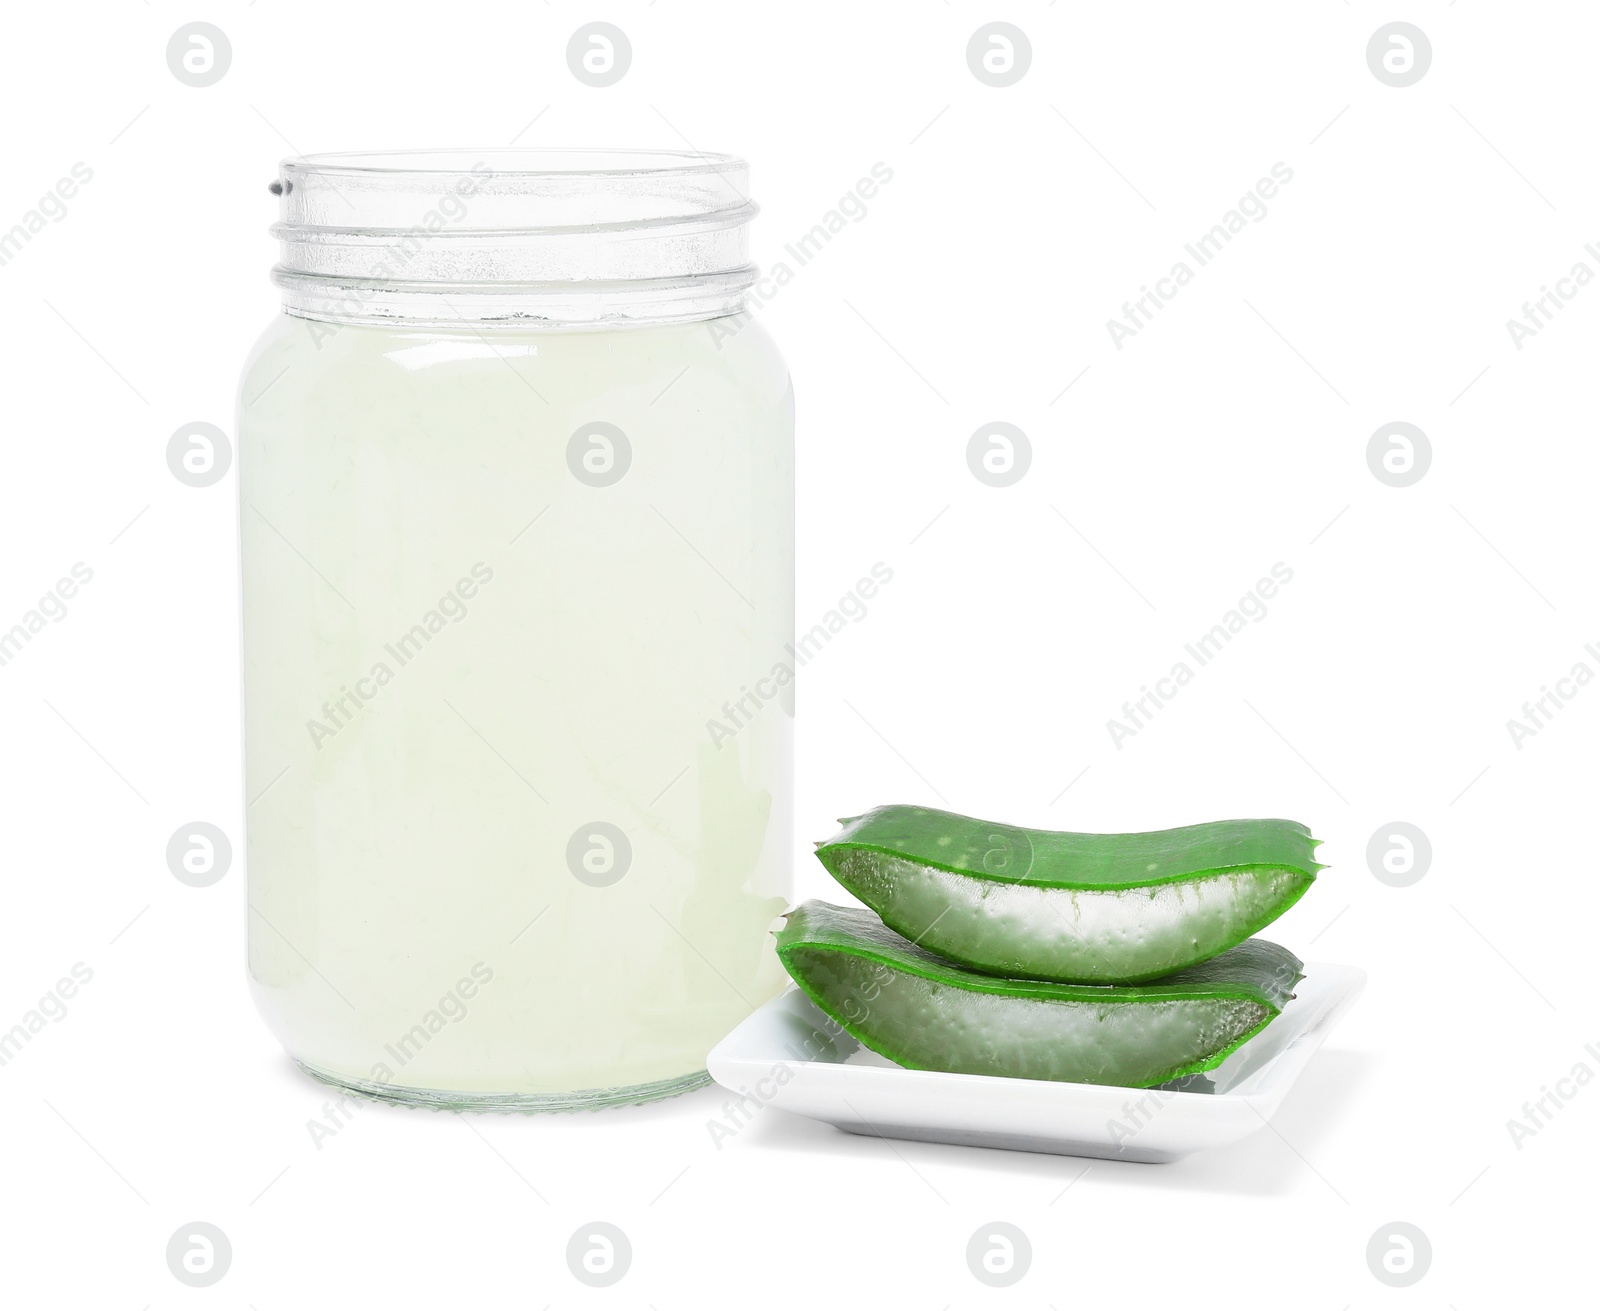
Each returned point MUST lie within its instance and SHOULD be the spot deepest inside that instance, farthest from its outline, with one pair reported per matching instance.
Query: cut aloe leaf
(1072, 907)
(930, 1014)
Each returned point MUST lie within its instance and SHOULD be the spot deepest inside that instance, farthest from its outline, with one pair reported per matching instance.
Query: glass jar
(516, 478)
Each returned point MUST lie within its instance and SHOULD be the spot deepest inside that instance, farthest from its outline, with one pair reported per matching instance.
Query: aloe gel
(1071, 907)
(928, 1013)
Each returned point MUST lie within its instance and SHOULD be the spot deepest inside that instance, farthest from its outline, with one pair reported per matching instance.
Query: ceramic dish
(790, 1055)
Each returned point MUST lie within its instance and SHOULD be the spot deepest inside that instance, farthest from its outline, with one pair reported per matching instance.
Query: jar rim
(512, 236)
(543, 161)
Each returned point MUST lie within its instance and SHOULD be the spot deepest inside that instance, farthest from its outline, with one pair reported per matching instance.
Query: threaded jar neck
(521, 239)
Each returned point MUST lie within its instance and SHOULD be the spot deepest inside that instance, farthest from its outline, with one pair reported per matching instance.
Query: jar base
(584, 1099)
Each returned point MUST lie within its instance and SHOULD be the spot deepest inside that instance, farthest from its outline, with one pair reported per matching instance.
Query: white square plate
(790, 1055)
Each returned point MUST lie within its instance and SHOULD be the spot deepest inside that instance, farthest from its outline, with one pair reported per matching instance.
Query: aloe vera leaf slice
(927, 1013)
(1071, 907)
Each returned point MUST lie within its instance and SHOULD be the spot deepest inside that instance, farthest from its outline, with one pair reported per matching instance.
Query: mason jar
(516, 480)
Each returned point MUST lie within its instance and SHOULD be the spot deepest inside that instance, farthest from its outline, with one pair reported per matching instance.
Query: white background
(1227, 436)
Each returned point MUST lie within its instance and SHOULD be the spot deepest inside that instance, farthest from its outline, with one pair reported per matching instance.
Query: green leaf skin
(927, 1013)
(1071, 907)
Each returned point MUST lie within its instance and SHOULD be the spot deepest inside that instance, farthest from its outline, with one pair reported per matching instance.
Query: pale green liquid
(422, 829)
